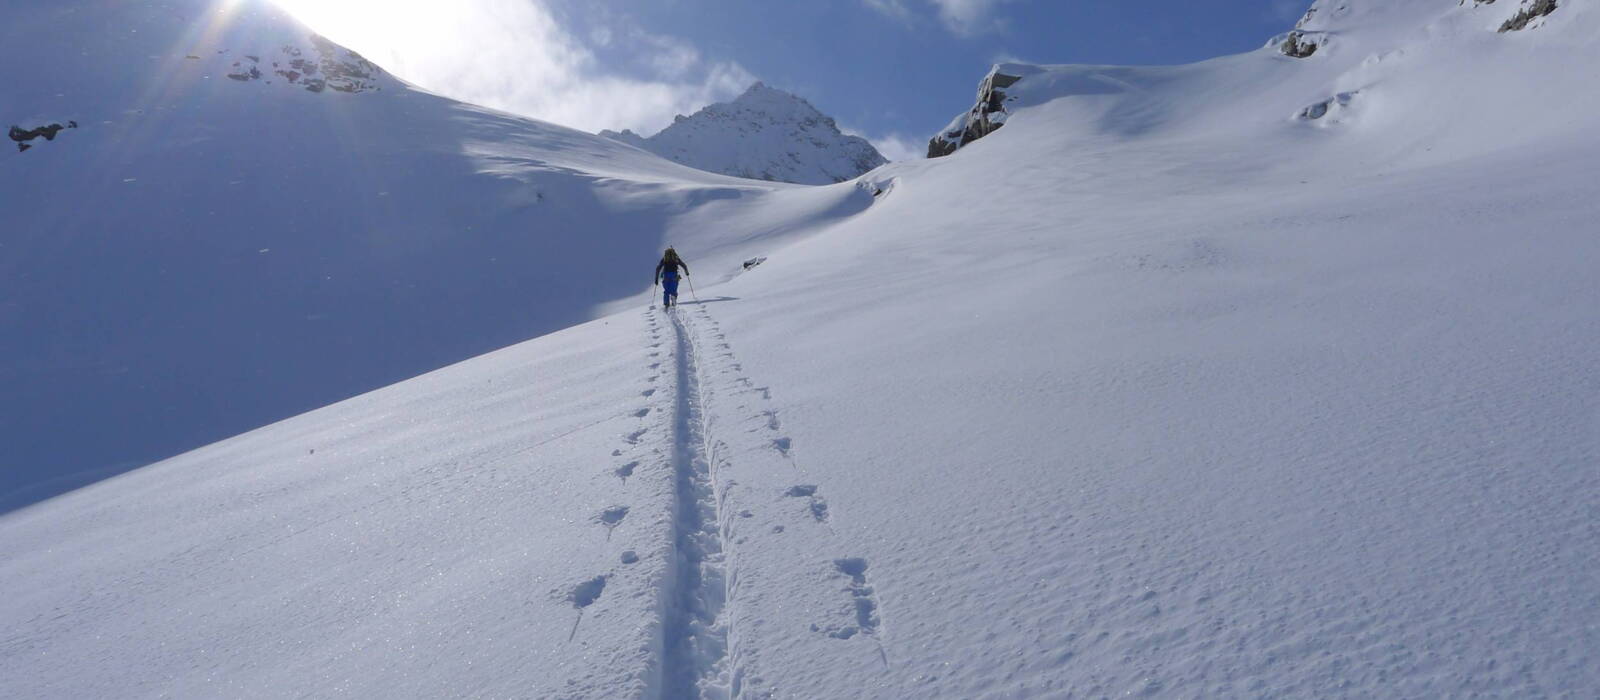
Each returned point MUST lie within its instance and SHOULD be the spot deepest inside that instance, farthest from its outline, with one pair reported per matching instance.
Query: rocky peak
(764, 134)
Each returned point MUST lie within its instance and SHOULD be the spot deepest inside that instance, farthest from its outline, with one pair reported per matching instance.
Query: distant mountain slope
(765, 134)
(238, 221)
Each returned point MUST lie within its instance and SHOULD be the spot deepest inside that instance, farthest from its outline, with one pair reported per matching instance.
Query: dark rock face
(1528, 13)
(23, 136)
(1298, 45)
(245, 70)
(985, 117)
(48, 131)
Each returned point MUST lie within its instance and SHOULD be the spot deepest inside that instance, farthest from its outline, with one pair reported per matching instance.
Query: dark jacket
(668, 269)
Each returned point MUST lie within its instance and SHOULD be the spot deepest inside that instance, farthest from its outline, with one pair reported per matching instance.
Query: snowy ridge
(1409, 68)
(765, 134)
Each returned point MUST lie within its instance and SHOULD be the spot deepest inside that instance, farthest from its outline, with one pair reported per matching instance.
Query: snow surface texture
(765, 134)
(250, 222)
(1160, 390)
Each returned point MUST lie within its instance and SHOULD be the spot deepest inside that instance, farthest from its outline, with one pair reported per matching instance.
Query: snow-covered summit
(764, 134)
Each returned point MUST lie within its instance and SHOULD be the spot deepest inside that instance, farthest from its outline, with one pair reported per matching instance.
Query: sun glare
(365, 26)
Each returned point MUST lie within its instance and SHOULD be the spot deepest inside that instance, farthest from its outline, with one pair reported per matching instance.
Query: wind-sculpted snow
(1166, 388)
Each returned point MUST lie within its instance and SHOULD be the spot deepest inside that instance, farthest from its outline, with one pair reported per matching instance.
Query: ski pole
(692, 295)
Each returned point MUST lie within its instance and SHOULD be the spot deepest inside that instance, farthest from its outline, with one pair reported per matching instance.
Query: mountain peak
(762, 97)
(758, 90)
(763, 134)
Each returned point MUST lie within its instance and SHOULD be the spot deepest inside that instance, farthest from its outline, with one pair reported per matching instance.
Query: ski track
(695, 638)
(717, 523)
(679, 444)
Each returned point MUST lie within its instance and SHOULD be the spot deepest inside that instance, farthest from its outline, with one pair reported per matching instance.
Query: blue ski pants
(669, 290)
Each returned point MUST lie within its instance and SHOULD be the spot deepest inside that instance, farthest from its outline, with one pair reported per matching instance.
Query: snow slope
(228, 238)
(1160, 389)
(764, 134)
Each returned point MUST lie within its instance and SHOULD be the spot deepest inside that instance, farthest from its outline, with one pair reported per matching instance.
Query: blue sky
(892, 70)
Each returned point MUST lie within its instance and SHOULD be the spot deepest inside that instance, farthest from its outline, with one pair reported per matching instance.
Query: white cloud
(892, 8)
(961, 17)
(966, 17)
(896, 147)
(515, 56)
(669, 58)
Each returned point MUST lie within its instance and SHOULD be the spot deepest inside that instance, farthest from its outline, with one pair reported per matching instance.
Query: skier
(667, 277)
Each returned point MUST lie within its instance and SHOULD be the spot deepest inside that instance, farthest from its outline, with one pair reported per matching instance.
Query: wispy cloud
(1008, 57)
(894, 146)
(960, 17)
(895, 9)
(967, 17)
(516, 56)
(897, 147)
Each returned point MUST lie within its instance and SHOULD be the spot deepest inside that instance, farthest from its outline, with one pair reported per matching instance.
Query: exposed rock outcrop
(985, 117)
(1528, 13)
(1298, 44)
(333, 68)
(48, 132)
(1308, 35)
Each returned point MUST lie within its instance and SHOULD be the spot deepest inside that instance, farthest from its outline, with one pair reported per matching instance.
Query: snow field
(1158, 390)
(465, 515)
(1277, 439)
